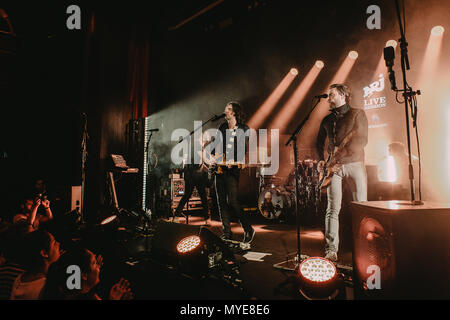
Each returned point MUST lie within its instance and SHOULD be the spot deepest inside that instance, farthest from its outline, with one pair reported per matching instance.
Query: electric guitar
(217, 167)
(330, 166)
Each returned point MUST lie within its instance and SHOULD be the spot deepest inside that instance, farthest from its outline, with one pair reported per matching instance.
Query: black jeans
(227, 186)
(191, 180)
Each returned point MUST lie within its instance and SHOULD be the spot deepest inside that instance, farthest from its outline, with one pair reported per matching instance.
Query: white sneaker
(331, 255)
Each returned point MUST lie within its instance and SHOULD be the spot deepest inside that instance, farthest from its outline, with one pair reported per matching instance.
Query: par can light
(188, 244)
(318, 278)
(108, 220)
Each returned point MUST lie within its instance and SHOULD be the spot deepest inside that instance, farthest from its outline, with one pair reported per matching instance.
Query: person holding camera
(29, 212)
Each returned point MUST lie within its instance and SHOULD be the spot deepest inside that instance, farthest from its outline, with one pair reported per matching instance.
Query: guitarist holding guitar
(235, 143)
(346, 129)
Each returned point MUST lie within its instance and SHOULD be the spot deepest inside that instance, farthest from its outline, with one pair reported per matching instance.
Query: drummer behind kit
(277, 199)
(275, 202)
(272, 203)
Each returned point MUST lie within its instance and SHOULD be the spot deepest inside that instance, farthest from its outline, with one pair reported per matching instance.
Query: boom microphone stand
(408, 95)
(293, 139)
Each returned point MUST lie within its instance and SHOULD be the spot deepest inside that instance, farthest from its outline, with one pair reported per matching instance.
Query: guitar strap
(334, 132)
(336, 118)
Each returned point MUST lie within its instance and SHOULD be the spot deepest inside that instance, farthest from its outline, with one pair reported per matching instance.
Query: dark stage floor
(261, 280)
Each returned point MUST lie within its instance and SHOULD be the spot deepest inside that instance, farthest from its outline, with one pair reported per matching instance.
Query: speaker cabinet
(401, 251)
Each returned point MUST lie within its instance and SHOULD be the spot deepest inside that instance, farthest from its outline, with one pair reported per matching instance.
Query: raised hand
(45, 203)
(37, 202)
(120, 290)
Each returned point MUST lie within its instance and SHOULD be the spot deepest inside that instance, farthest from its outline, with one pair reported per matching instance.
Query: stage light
(320, 64)
(188, 244)
(391, 43)
(387, 170)
(317, 270)
(294, 71)
(108, 220)
(318, 278)
(353, 55)
(437, 30)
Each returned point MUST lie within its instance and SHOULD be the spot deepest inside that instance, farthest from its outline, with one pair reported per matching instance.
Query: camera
(42, 196)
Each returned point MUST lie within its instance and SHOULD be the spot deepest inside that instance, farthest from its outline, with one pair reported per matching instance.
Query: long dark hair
(239, 112)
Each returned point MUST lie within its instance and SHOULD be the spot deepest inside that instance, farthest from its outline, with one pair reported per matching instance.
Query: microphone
(321, 96)
(389, 56)
(152, 130)
(216, 117)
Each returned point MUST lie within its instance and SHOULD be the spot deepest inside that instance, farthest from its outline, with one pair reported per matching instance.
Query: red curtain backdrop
(137, 79)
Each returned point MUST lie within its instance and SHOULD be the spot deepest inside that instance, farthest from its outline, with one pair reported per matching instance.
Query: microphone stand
(213, 118)
(147, 166)
(84, 154)
(407, 94)
(293, 138)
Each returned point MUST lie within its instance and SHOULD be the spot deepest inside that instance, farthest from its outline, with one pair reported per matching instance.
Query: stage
(270, 278)
(114, 115)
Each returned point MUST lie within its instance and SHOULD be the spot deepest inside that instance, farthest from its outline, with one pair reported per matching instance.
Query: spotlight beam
(267, 107)
(431, 57)
(285, 115)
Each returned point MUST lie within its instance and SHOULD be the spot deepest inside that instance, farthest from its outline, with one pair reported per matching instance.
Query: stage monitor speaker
(213, 252)
(401, 251)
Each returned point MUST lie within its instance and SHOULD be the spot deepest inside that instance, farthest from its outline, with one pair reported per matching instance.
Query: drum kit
(276, 200)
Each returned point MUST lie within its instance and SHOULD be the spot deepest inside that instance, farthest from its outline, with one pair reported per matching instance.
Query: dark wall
(40, 100)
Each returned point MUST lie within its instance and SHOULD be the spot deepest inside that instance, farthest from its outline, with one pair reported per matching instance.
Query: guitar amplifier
(177, 192)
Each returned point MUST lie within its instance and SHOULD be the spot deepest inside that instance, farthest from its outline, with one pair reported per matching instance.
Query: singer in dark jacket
(336, 127)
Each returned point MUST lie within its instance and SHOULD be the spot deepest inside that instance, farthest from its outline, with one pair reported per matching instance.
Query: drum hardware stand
(298, 258)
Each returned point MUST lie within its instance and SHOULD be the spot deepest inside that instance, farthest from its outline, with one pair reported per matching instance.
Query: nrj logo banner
(212, 146)
(370, 101)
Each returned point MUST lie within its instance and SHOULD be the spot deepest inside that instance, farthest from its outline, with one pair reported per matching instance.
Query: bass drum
(274, 203)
